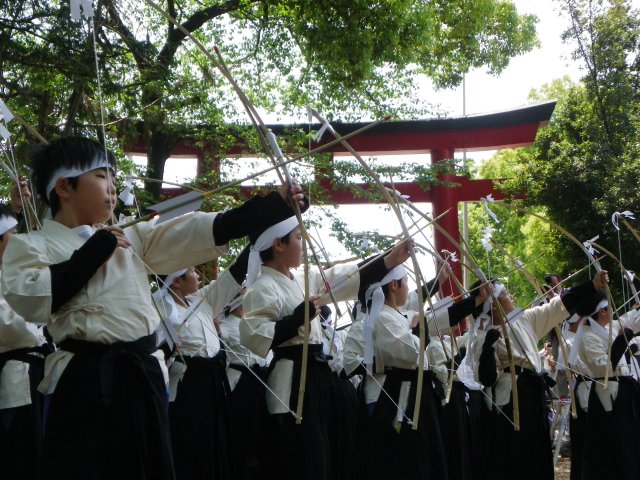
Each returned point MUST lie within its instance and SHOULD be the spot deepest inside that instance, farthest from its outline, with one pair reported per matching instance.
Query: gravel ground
(562, 468)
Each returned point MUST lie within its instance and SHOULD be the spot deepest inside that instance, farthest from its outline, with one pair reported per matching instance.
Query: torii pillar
(440, 137)
(442, 199)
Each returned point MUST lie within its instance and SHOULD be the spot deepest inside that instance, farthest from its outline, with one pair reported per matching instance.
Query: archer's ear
(177, 283)
(277, 245)
(63, 188)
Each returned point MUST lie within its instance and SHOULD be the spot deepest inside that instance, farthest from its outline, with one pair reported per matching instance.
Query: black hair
(70, 152)
(5, 211)
(548, 277)
(474, 289)
(385, 287)
(325, 312)
(267, 254)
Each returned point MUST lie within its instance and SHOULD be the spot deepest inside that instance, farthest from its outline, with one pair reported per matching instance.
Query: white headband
(497, 289)
(99, 161)
(7, 223)
(565, 329)
(166, 285)
(376, 296)
(600, 306)
(264, 242)
(573, 318)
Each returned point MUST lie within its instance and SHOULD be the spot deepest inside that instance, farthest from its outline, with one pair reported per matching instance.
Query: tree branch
(194, 22)
(138, 49)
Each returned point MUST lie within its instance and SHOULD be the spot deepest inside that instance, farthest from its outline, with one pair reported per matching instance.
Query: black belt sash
(255, 368)
(133, 351)
(213, 366)
(619, 378)
(25, 355)
(294, 353)
(34, 357)
(582, 378)
(411, 375)
(204, 363)
(548, 382)
(239, 368)
(395, 376)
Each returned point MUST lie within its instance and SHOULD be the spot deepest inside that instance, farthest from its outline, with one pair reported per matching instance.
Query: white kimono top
(333, 345)
(438, 363)
(15, 333)
(237, 354)
(394, 343)
(115, 304)
(194, 324)
(353, 351)
(594, 352)
(396, 346)
(275, 295)
(578, 368)
(524, 333)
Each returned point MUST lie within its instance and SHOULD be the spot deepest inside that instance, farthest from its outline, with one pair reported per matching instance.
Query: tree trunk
(159, 147)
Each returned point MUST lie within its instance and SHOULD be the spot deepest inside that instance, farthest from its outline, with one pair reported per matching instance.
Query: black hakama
(479, 417)
(108, 416)
(200, 422)
(456, 434)
(577, 431)
(526, 454)
(398, 451)
(21, 427)
(611, 447)
(363, 429)
(304, 451)
(248, 414)
(345, 406)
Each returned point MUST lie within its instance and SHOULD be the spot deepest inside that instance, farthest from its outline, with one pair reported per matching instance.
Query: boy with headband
(107, 414)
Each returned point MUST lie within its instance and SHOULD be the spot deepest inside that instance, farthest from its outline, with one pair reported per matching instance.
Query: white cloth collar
(375, 295)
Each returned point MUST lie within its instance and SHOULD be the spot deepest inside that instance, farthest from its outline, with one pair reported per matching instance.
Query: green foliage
(352, 59)
(525, 237)
(555, 90)
(359, 58)
(585, 165)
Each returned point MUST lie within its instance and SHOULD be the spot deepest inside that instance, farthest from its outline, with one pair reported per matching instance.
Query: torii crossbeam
(440, 138)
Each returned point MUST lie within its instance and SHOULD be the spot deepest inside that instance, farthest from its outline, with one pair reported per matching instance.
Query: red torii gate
(440, 138)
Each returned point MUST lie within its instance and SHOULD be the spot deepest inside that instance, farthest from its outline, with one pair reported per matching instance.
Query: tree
(526, 238)
(344, 56)
(586, 163)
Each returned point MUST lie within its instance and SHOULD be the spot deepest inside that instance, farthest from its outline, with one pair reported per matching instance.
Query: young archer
(107, 415)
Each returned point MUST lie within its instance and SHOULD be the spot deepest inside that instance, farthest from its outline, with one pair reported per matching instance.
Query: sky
(483, 94)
